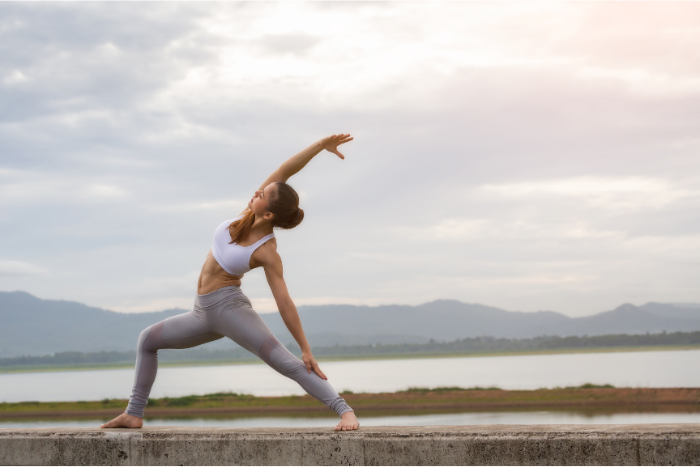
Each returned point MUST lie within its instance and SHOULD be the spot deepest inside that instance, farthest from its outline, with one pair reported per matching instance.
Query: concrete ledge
(654, 444)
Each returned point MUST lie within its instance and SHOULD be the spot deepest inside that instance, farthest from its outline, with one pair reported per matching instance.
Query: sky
(530, 155)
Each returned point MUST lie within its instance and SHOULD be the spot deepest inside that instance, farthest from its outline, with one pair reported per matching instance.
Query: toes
(348, 427)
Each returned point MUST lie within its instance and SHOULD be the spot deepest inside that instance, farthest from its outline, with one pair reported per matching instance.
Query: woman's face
(261, 200)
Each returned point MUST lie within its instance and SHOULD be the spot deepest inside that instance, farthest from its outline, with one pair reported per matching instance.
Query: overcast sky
(530, 156)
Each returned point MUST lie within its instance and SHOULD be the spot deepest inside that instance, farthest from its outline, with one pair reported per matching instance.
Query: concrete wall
(674, 444)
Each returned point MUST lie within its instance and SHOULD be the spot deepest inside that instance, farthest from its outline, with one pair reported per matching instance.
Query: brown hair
(284, 206)
(240, 229)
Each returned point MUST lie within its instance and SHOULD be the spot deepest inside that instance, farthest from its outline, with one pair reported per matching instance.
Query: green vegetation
(112, 357)
(591, 386)
(187, 401)
(413, 400)
(451, 389)
(496, 388)
(207, 401)
(499, 345)
(460, 347)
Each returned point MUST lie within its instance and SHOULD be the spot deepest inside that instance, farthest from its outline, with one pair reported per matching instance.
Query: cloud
(292, 43)
(23, 187)
(524, 155)
(628, 194)
(20, 269)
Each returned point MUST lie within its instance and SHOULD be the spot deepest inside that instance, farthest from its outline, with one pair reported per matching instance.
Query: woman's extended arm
(297, 162)
(272, 264)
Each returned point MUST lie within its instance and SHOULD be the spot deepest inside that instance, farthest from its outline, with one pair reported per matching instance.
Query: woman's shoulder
(268, 247)
(266, 254)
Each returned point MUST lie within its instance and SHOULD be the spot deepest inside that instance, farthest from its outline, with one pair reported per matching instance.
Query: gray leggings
(224, 312)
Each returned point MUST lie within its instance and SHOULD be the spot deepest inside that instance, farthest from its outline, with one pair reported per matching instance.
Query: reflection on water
(629, 369)
(469, 418)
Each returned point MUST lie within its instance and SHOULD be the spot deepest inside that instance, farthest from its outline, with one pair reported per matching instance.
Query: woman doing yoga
(221, 309)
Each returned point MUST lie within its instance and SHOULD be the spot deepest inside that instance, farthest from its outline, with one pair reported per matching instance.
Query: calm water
(632, 369)
(483, 418)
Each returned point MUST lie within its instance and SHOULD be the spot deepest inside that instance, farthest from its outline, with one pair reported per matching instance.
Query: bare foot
(348, 421)
(124, 421)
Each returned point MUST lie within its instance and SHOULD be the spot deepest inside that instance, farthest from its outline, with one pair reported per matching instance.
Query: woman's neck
(261, 225)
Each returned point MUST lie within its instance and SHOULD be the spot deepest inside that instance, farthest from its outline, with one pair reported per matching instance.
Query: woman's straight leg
(236, 319)
(177, 332)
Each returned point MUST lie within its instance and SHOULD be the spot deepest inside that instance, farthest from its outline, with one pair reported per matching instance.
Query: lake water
(483, 418)
(623, 369)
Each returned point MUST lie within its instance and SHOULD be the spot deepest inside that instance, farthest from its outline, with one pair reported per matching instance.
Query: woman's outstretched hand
(311, 364)
(331, 143)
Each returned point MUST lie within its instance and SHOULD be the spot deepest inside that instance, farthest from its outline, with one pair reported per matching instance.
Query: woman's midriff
(213, 277)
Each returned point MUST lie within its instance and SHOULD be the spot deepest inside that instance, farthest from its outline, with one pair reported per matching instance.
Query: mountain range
(32, 326)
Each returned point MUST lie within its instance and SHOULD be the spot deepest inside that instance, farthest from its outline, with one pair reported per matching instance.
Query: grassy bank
(330, 358)
(415, 400)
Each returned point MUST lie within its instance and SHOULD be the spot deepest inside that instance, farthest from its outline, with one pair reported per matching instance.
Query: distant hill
(447, 320)
(32, 326)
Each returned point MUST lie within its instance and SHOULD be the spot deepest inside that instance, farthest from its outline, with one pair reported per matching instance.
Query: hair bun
(285, 207)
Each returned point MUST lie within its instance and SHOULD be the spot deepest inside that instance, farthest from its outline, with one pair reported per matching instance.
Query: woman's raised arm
(297, 162)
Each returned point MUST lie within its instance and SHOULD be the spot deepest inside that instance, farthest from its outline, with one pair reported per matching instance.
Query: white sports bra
(232, 257)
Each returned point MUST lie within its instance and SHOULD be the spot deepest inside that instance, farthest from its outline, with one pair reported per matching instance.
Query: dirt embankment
(593, 400)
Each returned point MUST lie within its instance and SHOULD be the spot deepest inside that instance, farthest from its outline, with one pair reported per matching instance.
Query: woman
(221, 309)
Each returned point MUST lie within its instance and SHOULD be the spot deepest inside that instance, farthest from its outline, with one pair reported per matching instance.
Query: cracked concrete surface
(651, 444)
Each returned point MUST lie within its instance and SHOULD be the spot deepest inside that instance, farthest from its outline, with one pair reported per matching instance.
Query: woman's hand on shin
(311, 364)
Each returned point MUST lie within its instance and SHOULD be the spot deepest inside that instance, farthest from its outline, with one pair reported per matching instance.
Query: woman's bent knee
(143, 336)
(149, 339)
